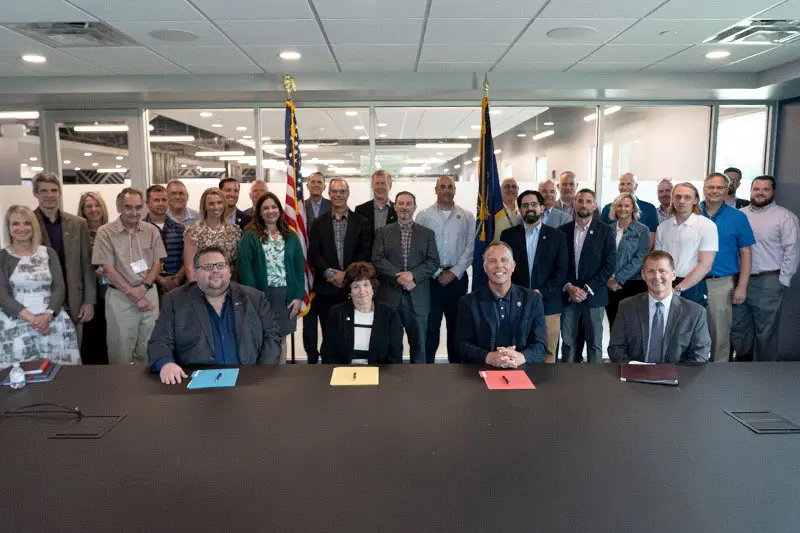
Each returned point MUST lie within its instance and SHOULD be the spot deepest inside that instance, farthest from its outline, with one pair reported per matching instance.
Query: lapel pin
(591, 232)
(348, 319)
(544, 237)
(519, 304)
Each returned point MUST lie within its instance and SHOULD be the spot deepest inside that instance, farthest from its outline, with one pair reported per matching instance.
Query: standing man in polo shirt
(647, 211)
(178, 198)
(735, 176)
(553, 217)
(727, 281)
(230, 188)
(691, 240)
(172, 272)
(68, 235)
(130, 251)
(454, 228)
(664, 199)
(258, 188)
(509, 216)
(754, 333)
(379, 211)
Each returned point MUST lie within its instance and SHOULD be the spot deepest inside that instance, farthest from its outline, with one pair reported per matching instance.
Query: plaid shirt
(405, 241)
(339, 232)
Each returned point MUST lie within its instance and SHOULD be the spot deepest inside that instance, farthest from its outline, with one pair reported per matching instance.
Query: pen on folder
(508, 381)
(218, 376)
(354, 376)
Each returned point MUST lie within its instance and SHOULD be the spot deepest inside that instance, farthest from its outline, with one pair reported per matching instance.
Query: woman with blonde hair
(33, 322)
(211, 230)
(94, 349)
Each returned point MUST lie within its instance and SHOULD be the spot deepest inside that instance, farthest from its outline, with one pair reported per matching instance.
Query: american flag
(295, 212)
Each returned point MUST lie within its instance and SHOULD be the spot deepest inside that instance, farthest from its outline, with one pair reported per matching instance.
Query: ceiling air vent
(759, 32)
(72, 34)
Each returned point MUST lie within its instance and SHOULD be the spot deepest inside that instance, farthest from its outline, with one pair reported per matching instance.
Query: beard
(531, 218)
(761, 203)
(583, 213)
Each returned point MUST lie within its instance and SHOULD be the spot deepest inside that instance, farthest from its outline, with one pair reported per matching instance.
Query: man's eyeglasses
(529, 205)
(208, 267)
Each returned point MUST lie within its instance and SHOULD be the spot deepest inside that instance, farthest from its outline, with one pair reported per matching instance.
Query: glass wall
(741, 141)
(94, 152)
(20, 157)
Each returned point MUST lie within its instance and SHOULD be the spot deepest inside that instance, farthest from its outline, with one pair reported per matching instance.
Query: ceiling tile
(254, 9)
(223, 68)
(13, 40)
(125, 10)
(531, 66)
(787, 10)
(548, 53)
(769, 59)
(389, 53)
(302, 68)
(605, 29)
(116, 56)
(268, 56)
(140, 31)
(370, 9)
(609, 9)
(368, 31)
(607, 68)
(198, 55)
(58, 64)
(40, 11)
(273, 32)
(485, 8)
(633, 53)
(696, 55)
(679, 31)
(439, 53)
(473, 31)
(148, 70)
(377, 66)
(454, 67)
(711, 9)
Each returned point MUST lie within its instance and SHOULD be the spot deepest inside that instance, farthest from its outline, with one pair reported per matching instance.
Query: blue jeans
(593, 326)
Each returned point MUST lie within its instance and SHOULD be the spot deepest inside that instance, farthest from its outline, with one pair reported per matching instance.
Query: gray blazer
(687, 338)
(10, 306)
(80, 283)
(557, 218)
(632, 249)
(182, 332)
(423, 261)
(324, 207)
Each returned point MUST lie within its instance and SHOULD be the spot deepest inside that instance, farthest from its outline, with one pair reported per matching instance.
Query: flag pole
(289, 85)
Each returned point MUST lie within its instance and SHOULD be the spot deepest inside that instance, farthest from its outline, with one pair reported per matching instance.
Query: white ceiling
(246, 36)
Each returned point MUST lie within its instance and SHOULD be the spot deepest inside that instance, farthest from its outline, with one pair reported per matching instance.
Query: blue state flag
(490, 202)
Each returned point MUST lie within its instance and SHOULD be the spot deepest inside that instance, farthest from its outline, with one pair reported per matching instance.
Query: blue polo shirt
(647, 214)
(734, 233)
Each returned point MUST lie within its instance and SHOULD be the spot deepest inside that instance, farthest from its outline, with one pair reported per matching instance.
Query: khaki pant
(127, 328)
(552, 324)
(720, 316)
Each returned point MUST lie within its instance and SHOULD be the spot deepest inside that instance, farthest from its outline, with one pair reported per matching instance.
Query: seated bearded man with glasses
(212, 321)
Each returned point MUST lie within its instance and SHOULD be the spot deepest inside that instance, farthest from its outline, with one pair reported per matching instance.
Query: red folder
(506, 379)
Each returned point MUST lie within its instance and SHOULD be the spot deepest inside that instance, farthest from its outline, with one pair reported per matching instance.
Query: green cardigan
(252, 265)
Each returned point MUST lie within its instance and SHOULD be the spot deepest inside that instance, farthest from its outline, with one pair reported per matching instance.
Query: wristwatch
(679, 288)
(148, 286)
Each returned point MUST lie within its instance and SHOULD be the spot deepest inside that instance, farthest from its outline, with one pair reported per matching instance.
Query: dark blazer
(549, 266)
(597, 261)
(385, 341)
(741, 202)
(423, 261)
(324, 207)
(80, 279)
(686, 336)
(477, 325)
(322, 247)
(367, 210)
(182, 332)
(242, 219)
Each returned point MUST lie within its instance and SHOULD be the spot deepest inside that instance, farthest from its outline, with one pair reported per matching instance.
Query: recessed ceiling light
(351, 113)
(571, 33)
(216, 125)
(241, 128)
(24, 165)
(77, 168)
(95, 164)
(383, 135)
(543, 134)
(174, 36)
(358, 128)
(467, 162)
(87, 154)
(522, 134)
(382, 124)
(67, 161)
(462, 136)
(34, 58)
(476, 158)
(206, 114)
(37, 169)
(364, 137)
(183, 165)
(549, 123)
(150, 127)
(718, 54)
(456, 166)
(34, 158)
(119, 158)
(118, 166)
(497, 151)
(447, 170)
(290, 55)
(247, 136)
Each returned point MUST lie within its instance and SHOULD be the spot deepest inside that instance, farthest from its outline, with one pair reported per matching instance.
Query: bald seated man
(647, 211)
(552, 217)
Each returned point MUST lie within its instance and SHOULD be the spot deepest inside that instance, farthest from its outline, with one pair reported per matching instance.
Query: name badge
(139, 266)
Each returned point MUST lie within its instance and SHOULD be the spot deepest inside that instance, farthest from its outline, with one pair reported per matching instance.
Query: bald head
(628, 183)
(547, 189)
(566, 186)
(445, 191)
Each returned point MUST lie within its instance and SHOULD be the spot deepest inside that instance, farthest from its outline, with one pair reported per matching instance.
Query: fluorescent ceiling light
(476, 158)
(24, 165)
(34, 158)
(117, 166)
(77, 168)
(216, 125)
(358, 128)
(241, 128)
(34, 58)
(446, 170)
(101, 127)
(111, 170)
(183, 165)
(497, 151)
(247, 136)
(95, 164)
(37, 169)
(290, 55)
(21, 115)
(383, 135)
(456, 166)
(462, 136)
(119, 158)
(265, 138)
(543, 134)
(520, 135)
(607, 111)
(67, 161)
(363, 138)
(468, 162)
(216, 154)
(212, 169)
(206, 114)
(87, 154)
(382, 124)
(351, 113)
(549, 123)
(718, 54)
(440, 146)
(171, 138)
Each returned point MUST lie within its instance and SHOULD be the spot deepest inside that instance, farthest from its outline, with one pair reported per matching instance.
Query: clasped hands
(576, 294)
(138, 295)
(505, 357)
(406, 280)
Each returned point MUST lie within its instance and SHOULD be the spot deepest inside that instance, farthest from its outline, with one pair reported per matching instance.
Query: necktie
(656, 335)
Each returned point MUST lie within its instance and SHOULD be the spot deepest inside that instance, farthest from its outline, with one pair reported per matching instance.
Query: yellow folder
(354, 375)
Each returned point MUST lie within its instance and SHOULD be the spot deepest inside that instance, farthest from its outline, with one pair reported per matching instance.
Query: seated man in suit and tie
(540, 253)
(235, 322)
(406, 257)
(501, 324)
(660, 326)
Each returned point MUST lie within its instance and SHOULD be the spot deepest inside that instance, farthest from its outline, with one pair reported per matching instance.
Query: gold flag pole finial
(288, 84)
(485, 85)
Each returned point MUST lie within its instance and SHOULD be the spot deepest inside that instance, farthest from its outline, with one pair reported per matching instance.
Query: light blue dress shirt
(531, 243)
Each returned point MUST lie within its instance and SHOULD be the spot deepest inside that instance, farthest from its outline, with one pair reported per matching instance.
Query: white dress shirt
(684, 241)
(580, 238)
(776, 231)
(651, 314)
(455, 235)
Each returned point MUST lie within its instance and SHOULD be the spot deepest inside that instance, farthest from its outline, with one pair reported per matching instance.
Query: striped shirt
(172, 237)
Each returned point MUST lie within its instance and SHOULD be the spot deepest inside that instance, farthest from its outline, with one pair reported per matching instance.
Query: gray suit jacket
(183, 333)
(80, 280)
(686, 338)
(423, 261)
(558, 218)
(324, 207)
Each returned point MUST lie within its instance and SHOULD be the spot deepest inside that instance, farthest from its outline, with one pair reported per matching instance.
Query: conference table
(428, 449)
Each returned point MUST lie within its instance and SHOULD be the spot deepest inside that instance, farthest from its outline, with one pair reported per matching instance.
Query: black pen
(508, 381)
(218, 376)
(354, 376)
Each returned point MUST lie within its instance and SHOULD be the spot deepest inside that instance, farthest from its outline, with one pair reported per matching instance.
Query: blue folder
(212, 379)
